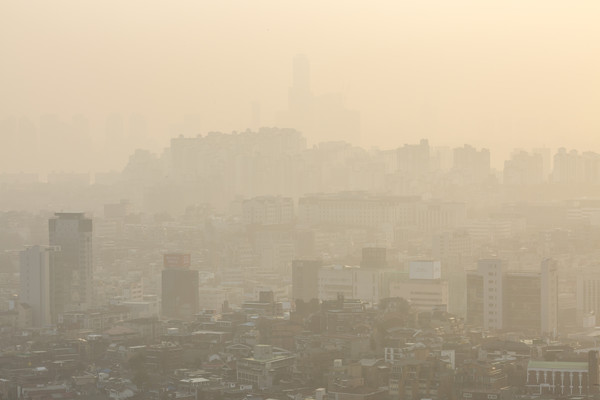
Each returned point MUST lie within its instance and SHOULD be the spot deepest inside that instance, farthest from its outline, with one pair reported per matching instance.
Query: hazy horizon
(318, 200)
(499, 75)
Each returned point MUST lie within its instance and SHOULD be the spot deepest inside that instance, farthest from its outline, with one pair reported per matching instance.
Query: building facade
(35, 283)
(180, 288)
(513, 300)
(73, 266)
(265, 368)
(305, 279)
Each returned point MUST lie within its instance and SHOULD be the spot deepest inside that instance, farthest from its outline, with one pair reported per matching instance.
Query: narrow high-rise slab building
(35, 283)
(73, 269)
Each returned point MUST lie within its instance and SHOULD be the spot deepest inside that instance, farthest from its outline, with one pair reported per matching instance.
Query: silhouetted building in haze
(320, 118)
(73, 269)
(305, 279)
(180, 288)
(522, 301)
(374, 257)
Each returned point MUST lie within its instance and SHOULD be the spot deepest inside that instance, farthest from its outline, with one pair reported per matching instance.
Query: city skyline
(270, 200)
(454, 72)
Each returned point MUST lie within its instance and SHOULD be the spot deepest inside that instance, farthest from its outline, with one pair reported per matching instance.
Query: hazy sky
(492, 72)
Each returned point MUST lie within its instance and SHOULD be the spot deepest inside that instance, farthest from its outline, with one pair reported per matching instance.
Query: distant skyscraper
(35, 283)
(180, 288)
(524, 169)
(320, 118)
(74, 272)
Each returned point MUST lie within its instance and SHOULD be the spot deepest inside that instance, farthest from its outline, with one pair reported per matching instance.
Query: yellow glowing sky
(496, 73)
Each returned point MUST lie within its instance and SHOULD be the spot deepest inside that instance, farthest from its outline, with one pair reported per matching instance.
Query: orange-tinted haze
(493, 73)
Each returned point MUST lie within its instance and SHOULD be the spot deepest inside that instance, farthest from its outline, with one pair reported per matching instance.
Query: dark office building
(374, 257)
(72, 267)
(522, 302)
(305, 279)
(179, 288)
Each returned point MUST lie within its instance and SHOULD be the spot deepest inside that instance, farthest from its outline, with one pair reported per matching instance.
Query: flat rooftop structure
(70, 215)
(558, 365)
(357, 196)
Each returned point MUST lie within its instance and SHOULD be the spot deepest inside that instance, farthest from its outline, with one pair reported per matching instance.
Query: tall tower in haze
(73, 269)
(321, 118)
(35, 283)
(300, 99)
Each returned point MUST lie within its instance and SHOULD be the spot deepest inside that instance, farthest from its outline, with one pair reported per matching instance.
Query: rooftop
(558, 365)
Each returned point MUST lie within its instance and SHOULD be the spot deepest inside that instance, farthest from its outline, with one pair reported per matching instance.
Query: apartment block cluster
(248, 266)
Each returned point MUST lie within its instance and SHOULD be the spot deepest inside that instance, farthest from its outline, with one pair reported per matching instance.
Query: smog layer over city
(300, 200)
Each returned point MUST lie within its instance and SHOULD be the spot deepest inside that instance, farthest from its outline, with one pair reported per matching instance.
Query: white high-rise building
(35, 283)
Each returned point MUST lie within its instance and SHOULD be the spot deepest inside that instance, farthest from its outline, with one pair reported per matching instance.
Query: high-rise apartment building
(472, 165)
(568, 167)
(414, 160)
(35, 283)
(524, 168)
(73, 266)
